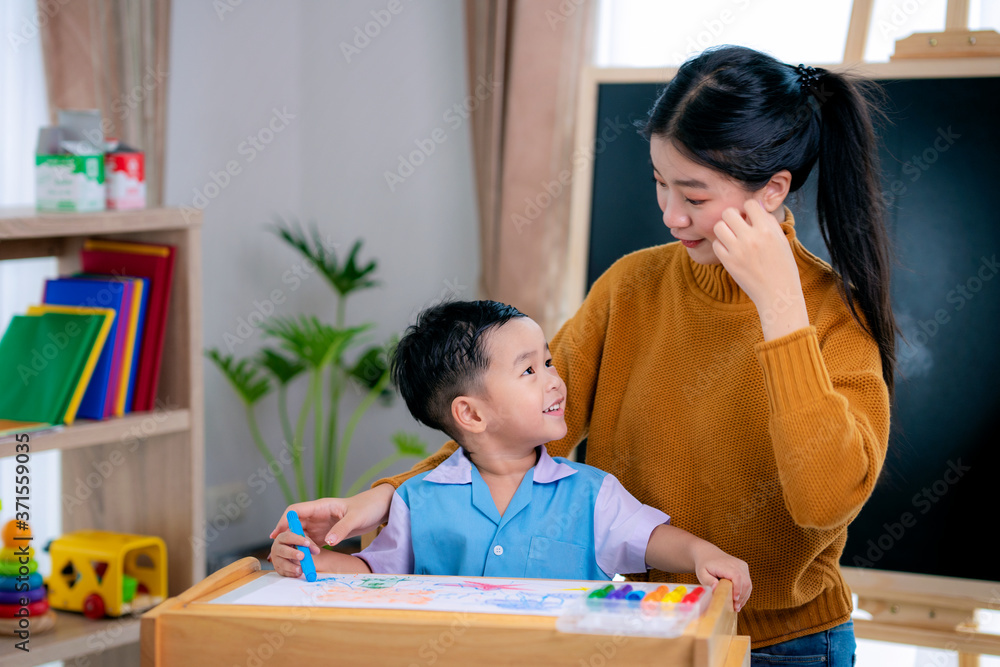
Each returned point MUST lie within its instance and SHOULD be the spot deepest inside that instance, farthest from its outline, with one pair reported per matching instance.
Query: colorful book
(44, 360)
(122, 358)
(122, 361)
(9, 427)
(100, 343)
(139, 299)
(132, 319)
(96, 293)
(141, 260)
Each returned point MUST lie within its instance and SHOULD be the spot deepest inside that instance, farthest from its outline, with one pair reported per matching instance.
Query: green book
(42, 361)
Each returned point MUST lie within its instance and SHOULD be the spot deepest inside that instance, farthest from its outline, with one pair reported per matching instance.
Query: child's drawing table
(191, 629)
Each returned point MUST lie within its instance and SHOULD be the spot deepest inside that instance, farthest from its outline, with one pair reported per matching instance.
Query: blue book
(138, 341)
(91, 293)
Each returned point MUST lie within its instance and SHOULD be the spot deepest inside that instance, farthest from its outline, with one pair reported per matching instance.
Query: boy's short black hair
(442, 356)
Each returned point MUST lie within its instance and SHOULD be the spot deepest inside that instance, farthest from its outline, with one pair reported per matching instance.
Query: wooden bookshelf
(75, 635)
(149, 465)
(131, 429)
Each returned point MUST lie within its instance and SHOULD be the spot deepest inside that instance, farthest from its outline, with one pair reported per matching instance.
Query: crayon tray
(650, 616)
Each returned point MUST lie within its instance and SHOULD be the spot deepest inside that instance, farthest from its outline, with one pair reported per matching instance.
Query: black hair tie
(808, 77)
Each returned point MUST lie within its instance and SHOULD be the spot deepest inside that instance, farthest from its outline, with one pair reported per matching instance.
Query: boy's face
(525, 395)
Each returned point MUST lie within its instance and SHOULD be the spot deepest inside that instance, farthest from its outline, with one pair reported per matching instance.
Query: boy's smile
(526, 398)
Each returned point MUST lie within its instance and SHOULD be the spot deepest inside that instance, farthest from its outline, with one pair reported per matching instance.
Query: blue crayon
(308, 567)
(635, 596)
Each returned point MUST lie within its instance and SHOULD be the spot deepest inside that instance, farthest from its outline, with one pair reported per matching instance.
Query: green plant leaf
(315, 344)
(352, 277)
(369, 368)
(345, 279)
(242, 375)
(409, 444)
(282, 368)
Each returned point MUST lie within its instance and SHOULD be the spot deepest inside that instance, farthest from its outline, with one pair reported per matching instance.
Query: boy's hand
(285, 556)
(723, 566)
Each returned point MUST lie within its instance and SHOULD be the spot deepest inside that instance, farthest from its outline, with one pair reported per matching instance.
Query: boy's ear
(467, 411)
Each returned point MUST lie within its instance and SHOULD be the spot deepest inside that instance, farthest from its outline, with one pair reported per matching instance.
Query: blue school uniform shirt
(566, 520)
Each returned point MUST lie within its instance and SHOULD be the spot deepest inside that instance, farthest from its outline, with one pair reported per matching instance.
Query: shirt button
(498, 550)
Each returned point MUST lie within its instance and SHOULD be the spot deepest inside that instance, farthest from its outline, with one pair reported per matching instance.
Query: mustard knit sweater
(768, 450)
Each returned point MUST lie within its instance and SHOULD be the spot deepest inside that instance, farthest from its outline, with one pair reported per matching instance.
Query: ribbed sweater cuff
(794, 371)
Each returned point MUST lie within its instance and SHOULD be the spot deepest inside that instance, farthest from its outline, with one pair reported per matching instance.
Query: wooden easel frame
(920, 610)
(185, 630)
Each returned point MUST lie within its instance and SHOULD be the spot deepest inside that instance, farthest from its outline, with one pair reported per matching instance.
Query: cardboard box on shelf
(69, 164)
(125, 173)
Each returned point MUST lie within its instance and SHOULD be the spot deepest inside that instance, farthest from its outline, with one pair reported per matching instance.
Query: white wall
(229, 73)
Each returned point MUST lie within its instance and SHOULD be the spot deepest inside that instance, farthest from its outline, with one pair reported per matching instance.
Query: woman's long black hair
(749, 116)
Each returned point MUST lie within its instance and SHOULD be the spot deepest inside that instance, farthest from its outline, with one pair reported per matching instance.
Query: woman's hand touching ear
(757, 255)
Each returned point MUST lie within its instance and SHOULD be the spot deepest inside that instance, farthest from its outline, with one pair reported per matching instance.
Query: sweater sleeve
(829, 421)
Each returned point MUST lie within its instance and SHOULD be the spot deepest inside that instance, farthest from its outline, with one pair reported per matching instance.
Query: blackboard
(936, 500)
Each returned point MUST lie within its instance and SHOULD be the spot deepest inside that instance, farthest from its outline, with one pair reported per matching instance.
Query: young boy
(500, 505)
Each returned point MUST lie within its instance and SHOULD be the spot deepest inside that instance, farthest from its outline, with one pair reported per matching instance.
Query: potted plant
(307, 349)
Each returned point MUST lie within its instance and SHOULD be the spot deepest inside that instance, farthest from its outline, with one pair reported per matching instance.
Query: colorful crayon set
(649, 610)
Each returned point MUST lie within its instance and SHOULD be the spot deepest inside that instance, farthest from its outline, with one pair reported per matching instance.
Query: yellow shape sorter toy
(103, 573)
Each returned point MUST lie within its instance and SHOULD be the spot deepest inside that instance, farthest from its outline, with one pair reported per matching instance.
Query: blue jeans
(829, 648)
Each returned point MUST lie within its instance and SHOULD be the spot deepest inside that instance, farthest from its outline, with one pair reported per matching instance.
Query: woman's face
(692, 198)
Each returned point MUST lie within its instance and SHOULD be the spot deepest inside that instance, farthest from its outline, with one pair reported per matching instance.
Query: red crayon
(693, 595)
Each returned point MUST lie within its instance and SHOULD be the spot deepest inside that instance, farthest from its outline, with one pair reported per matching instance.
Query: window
(23, 109)
(653, 33)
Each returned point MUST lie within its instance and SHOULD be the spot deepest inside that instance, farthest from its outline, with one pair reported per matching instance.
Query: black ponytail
(851, 210)
(749, 116)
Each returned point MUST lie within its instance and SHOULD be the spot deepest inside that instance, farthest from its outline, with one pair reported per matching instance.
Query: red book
(141, 260)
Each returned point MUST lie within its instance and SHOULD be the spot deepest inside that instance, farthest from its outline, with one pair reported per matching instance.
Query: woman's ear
(468, 414)
(773, 194)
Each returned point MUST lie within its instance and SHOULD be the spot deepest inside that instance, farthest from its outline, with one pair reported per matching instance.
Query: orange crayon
(652, 600)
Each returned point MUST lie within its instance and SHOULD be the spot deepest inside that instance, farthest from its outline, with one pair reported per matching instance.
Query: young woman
(733, 376)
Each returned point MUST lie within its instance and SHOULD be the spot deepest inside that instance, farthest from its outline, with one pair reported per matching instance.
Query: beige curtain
(533, 51)
(112, 55)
